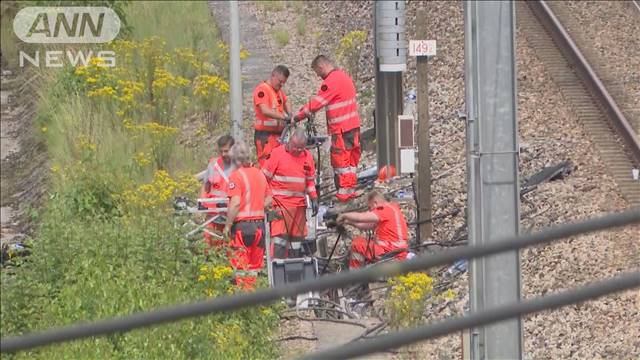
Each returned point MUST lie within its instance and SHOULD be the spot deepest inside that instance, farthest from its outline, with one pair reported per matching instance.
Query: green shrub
(281, 36)
(349, 52)
(106, 244)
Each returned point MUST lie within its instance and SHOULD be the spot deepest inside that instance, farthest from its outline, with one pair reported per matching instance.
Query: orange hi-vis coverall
(267, 130)
(247, 233)
(217, 197)
(291, 178)
(338, 95)
(391, 234)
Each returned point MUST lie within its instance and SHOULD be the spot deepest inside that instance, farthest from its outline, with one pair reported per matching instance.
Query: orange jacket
(392, 231)
(290, 177)
(265, 94)
(250, 185)
(218, 193)
(338, 94)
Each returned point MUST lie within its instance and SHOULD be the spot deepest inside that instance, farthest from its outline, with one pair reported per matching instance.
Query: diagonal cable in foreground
(447, 326)
(228, 303)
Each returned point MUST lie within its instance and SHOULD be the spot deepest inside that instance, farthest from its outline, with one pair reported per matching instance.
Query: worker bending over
(249, 194)
(337, 94)
(272, 111)
(390, 231)
(290, 171)
(215, 187)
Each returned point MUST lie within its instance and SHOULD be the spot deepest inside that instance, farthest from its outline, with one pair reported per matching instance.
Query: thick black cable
(335, 244)
(227, 303)
(503, 312)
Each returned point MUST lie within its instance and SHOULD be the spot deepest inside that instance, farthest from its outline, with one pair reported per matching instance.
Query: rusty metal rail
(577, 60)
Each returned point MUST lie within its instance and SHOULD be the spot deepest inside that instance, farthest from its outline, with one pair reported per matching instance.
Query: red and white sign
(422, 48)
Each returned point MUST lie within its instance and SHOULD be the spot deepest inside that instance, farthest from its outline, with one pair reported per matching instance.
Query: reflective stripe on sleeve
(321, 100)
(340, 104)
(291, 179)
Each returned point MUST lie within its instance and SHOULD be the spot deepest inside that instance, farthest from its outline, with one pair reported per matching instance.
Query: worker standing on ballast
(390, 231)
(248, 194)
(337, 94)
(215, 188)
(290, 171)
(272, 112)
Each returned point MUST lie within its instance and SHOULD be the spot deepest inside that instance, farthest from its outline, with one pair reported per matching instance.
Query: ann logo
(66, 25)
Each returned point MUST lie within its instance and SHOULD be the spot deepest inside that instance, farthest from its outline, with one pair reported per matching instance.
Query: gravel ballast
(549, 134)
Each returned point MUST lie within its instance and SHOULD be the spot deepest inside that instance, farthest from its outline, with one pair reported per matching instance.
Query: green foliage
(349, 52)
(281, 36)
(106, 244)
(405, 304)
(301, 25)
(82, 270)
(271, 5)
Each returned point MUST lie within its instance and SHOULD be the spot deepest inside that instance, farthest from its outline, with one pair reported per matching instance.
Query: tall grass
(180, 24)
(106, 244)
(301, 25)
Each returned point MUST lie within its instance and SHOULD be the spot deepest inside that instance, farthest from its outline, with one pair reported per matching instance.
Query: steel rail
(371, 274)
(575, 57)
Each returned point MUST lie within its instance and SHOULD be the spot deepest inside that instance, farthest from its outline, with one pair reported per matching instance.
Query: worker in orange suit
(215, 188)
(390, 231)
(272, 112)
(290, 171)
(249, 193)
(337, 94)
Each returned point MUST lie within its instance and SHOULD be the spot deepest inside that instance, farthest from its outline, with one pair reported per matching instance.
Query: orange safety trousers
(265, 142)
(345, 156)
(246, 253)
(365, 251)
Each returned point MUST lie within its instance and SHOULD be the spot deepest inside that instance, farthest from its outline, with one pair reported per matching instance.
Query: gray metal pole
(492, 153)
(390, 48)
(388, 107)
(234, 68)
(425, 228)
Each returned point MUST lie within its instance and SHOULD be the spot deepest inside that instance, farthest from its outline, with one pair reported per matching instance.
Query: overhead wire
(503, 312)
(262, 296)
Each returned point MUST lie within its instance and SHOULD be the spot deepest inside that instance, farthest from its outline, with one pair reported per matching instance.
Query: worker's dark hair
(281, 69)
(225, 140)
(319, 60)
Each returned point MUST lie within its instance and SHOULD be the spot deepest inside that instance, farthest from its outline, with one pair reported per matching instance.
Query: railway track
(610, 132)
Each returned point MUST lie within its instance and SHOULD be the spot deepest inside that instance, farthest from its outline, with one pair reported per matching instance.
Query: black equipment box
(294, 270)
